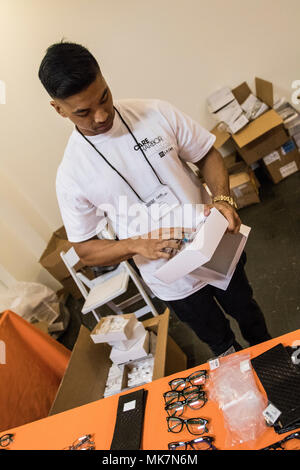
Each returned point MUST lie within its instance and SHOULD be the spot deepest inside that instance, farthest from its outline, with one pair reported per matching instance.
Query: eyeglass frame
(9, 437)
(208, 439)
(185, 422)
(187, 379)
(187, 402)
(81, 441)
(277, 445)
(184, 392)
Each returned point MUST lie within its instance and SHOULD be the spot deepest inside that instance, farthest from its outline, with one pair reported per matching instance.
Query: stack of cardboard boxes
(132, 352)
(269, 135)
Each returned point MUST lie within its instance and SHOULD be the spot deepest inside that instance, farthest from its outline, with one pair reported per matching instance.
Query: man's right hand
(160, 243)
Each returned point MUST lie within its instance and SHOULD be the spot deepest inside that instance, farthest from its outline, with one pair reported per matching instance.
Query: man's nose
(100, 116)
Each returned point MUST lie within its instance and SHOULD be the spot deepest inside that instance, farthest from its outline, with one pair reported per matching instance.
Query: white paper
(271, 414)
(238, 124)
(214, 364)
(230, 113)
(288, 169)
(245, 366)
(272, 157)
(129, 405)
(219, 98)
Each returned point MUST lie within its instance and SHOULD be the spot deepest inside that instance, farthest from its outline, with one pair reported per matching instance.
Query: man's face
(91, 110)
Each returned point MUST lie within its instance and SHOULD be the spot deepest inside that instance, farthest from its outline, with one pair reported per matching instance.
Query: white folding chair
(108, 286)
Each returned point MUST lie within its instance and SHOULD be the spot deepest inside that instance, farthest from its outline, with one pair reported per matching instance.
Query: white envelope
(198, 252)
(220, 268)
(213, 254)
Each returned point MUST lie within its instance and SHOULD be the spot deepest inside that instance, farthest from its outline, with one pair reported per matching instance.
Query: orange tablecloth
(98, 418)
(34, 366)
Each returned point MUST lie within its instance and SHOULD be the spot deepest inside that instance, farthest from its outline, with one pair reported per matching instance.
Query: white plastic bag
(233, 387)
(32, 301)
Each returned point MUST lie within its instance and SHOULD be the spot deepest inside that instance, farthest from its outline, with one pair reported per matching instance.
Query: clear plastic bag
(233, 387)
(32, 301)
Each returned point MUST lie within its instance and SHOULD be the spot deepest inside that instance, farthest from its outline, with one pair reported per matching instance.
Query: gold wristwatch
(225, 199)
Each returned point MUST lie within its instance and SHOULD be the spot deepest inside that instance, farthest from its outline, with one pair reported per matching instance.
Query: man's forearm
(105, 252)
(215, 173)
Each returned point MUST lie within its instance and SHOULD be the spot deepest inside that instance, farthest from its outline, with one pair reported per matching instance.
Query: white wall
(169, 49)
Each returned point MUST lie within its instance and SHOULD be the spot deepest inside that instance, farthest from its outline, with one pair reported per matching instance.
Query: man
(139, 150)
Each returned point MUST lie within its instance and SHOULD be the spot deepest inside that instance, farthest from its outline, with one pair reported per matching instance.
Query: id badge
(161, 202)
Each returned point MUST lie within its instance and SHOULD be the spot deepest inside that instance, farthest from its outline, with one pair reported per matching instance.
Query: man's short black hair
(67, 69)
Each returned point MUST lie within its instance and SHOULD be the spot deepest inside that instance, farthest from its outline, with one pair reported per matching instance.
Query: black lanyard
(144, 155)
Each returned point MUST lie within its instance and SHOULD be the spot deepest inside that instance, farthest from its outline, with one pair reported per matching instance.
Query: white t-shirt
(87, 187)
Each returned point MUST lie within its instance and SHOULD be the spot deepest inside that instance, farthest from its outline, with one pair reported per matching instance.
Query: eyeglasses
(175, 395)
(194, 425)
(197, 378)
(281, 445)
(82, 443)
(194, 402)
(201, 443)
(6, 439)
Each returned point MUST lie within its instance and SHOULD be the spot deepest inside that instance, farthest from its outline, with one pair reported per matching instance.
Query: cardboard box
(137, 333)
(119, 335)
(297, 140)
(261, 136)
(51, 259)
(233, 165)
(138, 350)
(197, 252)
(286, 111)
(71, 288)
(243, 188)
(85, 378)
(283, 162)
(52, 262)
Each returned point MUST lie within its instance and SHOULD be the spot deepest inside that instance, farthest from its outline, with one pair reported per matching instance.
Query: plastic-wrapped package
(233, 387)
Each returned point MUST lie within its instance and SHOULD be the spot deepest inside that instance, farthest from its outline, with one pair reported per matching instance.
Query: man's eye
(82, 115)
(104, 98)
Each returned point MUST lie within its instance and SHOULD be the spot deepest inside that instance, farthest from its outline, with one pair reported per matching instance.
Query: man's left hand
(229, 212)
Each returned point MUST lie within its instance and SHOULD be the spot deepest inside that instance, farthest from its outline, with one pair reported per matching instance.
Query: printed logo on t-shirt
(163, 153)
(146, 144)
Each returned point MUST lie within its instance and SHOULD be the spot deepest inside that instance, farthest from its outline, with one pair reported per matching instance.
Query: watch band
(129, 421)
(223, 198)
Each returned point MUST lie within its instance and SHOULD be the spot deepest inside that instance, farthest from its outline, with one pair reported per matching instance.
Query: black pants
(201, 312)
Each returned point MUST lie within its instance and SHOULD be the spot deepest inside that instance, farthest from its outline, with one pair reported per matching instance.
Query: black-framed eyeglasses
(195, 426)
(6, 439)
(175, 395)
(280, 445)
(200, 443)
(196, 378)
(194, 402)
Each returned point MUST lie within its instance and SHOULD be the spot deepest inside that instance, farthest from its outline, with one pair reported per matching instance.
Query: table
(31, 370)
(98, 418)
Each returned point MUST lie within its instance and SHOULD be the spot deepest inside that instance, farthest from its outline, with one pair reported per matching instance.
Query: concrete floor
(272, 269)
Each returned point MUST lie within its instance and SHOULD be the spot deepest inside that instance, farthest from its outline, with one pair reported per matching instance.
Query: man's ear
(58, 108)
